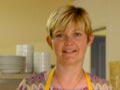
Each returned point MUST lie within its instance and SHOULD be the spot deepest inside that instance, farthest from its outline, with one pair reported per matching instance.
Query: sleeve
(110, 86)
(23, 85)
(100, 83)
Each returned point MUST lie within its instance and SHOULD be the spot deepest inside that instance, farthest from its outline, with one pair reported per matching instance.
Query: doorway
(98, 59)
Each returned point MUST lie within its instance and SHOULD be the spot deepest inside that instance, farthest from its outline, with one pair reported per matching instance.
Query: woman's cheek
(58, 46)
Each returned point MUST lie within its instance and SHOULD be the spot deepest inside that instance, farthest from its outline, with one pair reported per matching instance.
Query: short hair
(61, 17)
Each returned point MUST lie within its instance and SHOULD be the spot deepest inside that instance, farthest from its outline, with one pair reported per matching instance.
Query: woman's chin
(70, 61)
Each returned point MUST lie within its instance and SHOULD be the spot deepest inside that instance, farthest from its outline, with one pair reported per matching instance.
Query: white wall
(113, 31)
(96, 9)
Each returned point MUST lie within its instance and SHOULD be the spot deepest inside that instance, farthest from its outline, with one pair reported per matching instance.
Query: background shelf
(13, 76)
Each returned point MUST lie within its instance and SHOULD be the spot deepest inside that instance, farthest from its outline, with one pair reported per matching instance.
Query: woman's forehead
(72, 25)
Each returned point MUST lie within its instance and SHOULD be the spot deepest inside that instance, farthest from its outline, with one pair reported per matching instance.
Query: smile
(69, 51)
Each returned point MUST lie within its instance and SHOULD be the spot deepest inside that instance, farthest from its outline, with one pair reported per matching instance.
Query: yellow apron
(48, 83)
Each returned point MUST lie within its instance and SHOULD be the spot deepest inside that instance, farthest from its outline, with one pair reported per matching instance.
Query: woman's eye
(59, 35)
(77, 34)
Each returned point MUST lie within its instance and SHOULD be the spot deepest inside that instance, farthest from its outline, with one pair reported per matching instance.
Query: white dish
(11, 59)
(12, 64)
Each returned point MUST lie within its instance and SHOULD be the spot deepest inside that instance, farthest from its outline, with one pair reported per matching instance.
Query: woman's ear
(49, 41)
(91, 39)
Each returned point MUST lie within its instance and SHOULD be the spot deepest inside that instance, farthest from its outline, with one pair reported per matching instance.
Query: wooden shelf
(13, 76)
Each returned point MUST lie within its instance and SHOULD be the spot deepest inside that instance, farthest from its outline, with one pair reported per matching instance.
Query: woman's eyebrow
(80, 30)
(58, 31)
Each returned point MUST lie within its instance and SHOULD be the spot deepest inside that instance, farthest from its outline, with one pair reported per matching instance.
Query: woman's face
(70, 45)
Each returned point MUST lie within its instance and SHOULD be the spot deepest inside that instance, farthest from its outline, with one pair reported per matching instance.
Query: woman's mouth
(69, 51)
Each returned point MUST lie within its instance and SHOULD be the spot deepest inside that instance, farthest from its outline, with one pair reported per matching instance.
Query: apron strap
(48, 83)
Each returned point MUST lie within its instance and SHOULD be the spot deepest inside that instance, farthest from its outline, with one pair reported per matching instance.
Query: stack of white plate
(27, 51)
(41, 61)
(12, 64)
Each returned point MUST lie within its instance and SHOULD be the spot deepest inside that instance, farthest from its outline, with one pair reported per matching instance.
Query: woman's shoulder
(36, 78)
(97, 79)
(33, 82)
(99, 83)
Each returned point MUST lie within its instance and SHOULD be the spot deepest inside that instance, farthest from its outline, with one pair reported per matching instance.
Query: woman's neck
(68, 71)
(68, 76)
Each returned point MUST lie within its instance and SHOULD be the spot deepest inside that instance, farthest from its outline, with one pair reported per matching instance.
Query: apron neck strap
(50, 77)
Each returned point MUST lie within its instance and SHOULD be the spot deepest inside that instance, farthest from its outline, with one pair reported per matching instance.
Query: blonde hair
(61, 17)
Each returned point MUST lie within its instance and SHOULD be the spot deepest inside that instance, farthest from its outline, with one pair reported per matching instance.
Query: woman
(69, 36)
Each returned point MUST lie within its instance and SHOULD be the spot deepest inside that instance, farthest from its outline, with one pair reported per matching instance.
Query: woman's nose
(68, 40)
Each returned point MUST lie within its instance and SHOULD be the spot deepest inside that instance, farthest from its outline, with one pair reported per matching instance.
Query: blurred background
(24, 22)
